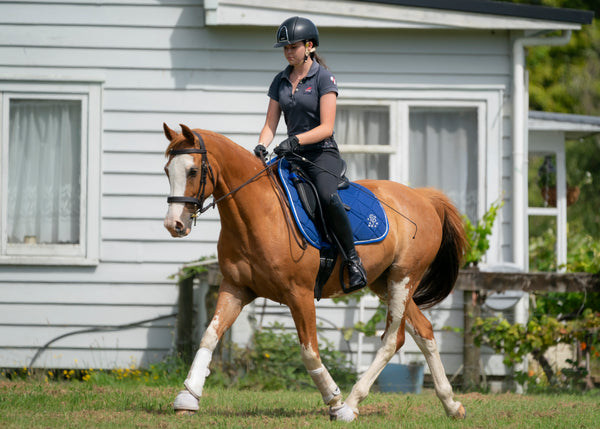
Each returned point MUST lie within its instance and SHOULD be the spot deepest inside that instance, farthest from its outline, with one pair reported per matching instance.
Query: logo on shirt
(333, 80)
(308, 90)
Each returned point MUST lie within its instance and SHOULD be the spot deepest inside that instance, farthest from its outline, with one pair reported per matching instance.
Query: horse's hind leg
(230, 302)
(421, 330)
(393, 339)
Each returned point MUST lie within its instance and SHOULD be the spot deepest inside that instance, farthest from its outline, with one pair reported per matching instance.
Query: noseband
(205, 170)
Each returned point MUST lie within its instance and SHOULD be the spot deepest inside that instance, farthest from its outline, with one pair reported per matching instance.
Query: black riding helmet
(296, 29)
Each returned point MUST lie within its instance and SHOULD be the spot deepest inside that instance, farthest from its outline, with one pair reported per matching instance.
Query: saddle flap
(368, 219)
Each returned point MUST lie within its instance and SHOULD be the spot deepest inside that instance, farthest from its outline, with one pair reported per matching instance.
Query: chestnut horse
(261, 255)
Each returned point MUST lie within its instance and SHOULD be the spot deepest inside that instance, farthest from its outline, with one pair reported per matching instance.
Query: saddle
(368, 219)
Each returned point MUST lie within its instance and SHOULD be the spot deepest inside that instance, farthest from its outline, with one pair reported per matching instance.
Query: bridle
(205, 171)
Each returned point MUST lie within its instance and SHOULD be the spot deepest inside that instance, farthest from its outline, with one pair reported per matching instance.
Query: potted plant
(547, 182)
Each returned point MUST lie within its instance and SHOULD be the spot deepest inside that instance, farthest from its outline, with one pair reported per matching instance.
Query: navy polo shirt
(301, 110)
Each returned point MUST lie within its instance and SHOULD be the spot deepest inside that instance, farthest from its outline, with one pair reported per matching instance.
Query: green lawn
(36, 404)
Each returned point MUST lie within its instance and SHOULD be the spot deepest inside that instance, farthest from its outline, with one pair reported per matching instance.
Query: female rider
(306, 93)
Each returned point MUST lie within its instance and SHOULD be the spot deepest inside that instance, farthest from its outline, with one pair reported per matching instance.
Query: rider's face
(295, 53)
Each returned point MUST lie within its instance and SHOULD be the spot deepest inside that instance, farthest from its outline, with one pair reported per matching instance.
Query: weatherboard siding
(158, 63)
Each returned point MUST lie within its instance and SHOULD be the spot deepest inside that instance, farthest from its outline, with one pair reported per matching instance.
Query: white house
(431, 93)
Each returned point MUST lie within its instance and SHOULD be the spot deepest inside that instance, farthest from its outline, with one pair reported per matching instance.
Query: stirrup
(348, 263)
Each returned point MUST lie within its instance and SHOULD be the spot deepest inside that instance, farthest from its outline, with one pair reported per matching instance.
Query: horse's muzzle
(176, 228)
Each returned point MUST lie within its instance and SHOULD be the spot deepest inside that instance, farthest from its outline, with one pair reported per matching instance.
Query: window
(443, 148)
(547, 200)
(363, 134)
(50, 175)
(447, 138)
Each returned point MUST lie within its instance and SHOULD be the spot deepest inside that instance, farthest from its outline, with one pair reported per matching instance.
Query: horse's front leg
(393, 338)
(230, 302)
(304, 315)
(421, 330)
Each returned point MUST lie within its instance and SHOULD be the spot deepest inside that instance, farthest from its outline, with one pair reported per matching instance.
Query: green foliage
(273, 362)
(370, 327)
(565, 305)
(478, 234)
(583, 253)
(583, 160)
(542, 255)
(192, 269)
(517, 341)
(167, 372)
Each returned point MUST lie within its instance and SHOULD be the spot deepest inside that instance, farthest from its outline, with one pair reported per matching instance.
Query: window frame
(390, 149)
(87, 251)
(487, 101)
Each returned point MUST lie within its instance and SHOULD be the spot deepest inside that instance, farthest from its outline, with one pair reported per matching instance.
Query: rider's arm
(272, 120)
(325, 129)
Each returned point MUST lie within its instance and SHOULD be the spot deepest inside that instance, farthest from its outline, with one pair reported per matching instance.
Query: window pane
(542, 179)
(366, 126)
(542, 243)
(44, 171)
(443, 154)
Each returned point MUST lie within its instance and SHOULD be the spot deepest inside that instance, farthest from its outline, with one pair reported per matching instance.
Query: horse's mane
(209, 137)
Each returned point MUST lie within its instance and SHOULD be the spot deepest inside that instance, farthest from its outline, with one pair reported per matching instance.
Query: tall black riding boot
(339, 224)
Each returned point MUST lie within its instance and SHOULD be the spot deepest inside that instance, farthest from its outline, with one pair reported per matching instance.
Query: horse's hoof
(460, 414)
(342, 413)
(185, 403)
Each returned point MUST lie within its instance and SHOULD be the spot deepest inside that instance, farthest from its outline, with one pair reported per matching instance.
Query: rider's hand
(287, 147)
(260, 151)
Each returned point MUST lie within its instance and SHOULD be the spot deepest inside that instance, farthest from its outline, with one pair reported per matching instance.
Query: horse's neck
(246, 211)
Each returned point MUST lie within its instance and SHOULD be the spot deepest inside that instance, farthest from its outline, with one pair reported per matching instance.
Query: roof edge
(490, 7)
(565, 117)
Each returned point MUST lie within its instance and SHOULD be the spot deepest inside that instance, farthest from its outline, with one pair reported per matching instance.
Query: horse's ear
(169, 133)
(187, 133)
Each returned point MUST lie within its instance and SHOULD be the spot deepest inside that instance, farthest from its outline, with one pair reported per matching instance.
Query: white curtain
(364, 126)
(443, 154)
(44, 171)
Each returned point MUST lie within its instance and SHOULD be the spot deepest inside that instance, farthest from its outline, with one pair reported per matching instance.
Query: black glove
(287, 147)
(260, 151)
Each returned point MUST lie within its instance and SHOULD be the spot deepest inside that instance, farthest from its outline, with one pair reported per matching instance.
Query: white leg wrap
(343, 413)
(325, 384)
(185, 401)
(198, 372)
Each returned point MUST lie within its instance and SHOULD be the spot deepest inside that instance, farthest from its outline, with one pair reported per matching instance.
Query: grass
(39, 404)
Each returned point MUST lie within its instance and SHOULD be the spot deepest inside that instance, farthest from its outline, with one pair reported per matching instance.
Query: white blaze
(178, 168)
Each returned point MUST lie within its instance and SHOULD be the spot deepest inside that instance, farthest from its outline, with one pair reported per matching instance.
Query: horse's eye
(193, 172)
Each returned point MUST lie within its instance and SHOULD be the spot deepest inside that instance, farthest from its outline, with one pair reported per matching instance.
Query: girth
(307, 193)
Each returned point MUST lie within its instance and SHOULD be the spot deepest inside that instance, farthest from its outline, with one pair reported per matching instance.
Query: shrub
(516, 341)
(273, 361)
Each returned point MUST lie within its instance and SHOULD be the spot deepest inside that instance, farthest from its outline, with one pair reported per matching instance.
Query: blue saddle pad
(367, 217)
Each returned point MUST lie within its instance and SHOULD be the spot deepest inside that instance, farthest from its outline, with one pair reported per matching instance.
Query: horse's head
(190, 176)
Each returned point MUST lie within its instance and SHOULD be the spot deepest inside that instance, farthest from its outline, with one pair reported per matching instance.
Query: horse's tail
(439, 279)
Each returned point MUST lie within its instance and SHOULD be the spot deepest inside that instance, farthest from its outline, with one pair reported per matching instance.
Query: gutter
(520, 140)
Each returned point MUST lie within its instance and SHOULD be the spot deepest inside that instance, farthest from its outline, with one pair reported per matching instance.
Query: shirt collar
(311, 72)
